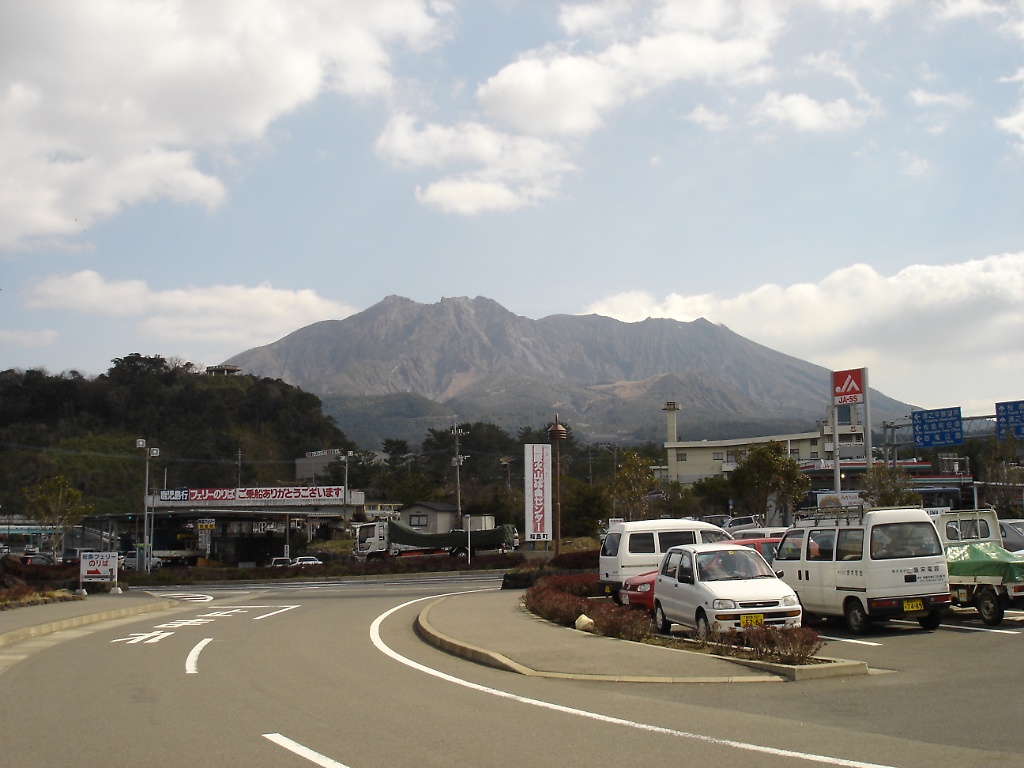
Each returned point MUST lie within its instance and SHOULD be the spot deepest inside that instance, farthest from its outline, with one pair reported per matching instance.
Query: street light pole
(457, 463)
(147, 524)
(556, 434)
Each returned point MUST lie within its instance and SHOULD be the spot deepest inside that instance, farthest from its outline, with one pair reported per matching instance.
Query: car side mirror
(686, 577)
(780, 574)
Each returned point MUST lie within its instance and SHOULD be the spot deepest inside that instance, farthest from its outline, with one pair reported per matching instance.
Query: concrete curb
(488, 658)
(26, 633)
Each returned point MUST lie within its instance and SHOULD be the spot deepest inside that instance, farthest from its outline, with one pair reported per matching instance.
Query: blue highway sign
(1010, 419)
(938, 427)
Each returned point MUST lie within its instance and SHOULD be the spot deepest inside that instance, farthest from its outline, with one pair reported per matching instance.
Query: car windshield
(732, 564)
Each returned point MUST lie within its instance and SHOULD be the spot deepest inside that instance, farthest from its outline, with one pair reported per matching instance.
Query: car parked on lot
(766, 545)
(305, 560)
(638, 591)
(36, 558)
(777, 531)
(280, 562)
(741, 523)
(1012, 534)
(721, 586)
(131, 563)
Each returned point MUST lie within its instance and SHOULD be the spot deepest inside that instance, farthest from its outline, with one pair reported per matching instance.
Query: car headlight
(645, 587)
(724, 605)
(790, 600)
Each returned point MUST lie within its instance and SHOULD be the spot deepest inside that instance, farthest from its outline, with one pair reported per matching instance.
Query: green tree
(765, 472)
(583, 507)
(889, 487)
(713, 495)
(631, 486)
(55, 503)
(1002, 476)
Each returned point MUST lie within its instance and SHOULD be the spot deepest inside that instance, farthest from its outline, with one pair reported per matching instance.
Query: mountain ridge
(607, 379)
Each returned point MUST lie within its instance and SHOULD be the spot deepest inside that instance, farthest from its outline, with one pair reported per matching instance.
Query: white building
(692, 460)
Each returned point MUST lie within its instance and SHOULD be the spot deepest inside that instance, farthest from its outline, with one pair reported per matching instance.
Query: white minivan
(866, 565)
(632, 548)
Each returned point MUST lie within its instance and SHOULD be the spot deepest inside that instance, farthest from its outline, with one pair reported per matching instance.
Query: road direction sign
(938, 427)
(1010, 419)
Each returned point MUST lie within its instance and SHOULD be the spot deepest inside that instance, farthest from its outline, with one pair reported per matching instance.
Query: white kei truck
(982, 574)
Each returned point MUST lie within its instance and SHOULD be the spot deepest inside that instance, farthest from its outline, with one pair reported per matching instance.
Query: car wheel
(660, 620)
(856, 618)
(616, 597)
(931, 621)
(989, 608)
(703, 626)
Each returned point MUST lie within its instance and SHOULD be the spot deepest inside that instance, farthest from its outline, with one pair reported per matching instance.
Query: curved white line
(808, 756)
(192, 662)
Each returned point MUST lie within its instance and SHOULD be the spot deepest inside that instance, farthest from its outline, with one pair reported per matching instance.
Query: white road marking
(386, 650)
(294, 746)
(187, 597)
(966, 628)
(849, 640)
(192, 662)
(282, 610)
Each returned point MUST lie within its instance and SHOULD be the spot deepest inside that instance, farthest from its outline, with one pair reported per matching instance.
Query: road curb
(26, 633)
(438, 639)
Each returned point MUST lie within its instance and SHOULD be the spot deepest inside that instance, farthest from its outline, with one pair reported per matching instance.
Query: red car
(638, 591)
(766, 546)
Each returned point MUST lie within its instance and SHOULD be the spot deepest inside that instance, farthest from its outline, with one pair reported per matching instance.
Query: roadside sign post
(98, 567)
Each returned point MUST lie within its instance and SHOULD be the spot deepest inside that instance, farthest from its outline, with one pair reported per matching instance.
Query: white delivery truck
(981, 573)
(866, 565)
(632, 548)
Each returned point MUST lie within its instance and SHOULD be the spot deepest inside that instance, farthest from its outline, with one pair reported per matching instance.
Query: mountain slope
(606, 378)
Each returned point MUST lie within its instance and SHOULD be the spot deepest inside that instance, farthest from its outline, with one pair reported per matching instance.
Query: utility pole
(457, 463)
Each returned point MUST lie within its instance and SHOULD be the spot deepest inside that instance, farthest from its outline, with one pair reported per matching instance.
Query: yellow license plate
(913, 605)
(751, 619)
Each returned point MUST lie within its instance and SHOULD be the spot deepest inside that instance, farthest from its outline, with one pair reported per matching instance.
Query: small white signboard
(98, 566)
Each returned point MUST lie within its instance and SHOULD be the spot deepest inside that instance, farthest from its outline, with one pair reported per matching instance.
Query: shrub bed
(563, 598)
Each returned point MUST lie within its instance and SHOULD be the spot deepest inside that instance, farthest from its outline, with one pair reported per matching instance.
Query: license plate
(751, 619)
(625, 598)
(913, 605)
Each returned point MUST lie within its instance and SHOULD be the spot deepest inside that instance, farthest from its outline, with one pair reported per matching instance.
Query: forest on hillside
(223, 431)
(211, 431)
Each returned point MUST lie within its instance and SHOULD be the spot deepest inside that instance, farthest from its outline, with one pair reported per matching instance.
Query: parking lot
(956, 685)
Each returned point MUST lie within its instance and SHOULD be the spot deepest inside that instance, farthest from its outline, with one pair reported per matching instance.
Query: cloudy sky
(840, 180)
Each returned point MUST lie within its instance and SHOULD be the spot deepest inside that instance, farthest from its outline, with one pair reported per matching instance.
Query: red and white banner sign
(538, 492)
(848, 387)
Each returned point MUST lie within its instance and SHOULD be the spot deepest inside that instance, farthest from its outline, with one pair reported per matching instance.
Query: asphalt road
(333, 675)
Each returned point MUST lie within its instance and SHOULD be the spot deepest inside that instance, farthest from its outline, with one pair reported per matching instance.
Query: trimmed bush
(618, 621)
(577, 561)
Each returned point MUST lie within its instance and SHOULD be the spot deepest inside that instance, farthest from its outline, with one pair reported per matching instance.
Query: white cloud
(923, 98)
(504, 171)
(705, 117)
(229, 316)
(914, 165)
(109, 103)
(960, 9)
(27, 339)
(806, 114)
(934, 332)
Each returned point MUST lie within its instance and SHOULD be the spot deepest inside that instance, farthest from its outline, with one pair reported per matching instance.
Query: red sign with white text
(848, 386)
(538, 492)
